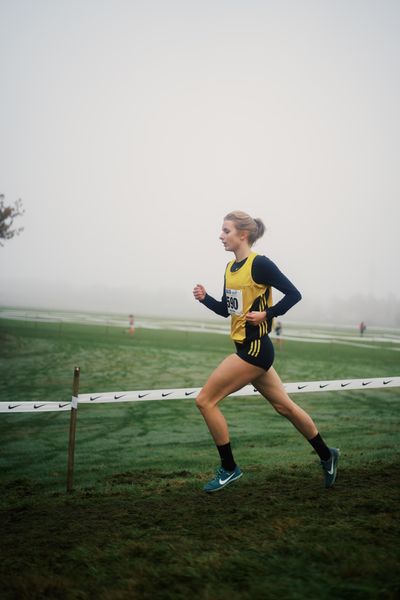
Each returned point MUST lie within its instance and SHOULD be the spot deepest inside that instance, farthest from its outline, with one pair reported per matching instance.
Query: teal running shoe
(222, 479)
(329, 467)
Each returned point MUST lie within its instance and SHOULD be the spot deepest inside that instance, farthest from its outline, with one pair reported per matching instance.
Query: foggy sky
(129, 129)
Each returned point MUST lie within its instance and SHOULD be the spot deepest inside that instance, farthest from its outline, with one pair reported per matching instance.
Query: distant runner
(278, 333)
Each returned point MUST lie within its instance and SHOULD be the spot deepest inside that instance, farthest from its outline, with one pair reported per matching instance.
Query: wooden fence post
(72, 430)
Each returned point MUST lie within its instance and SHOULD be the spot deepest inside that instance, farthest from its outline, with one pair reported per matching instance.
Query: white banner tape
(190, 393)
(18, 407)
(248, 390)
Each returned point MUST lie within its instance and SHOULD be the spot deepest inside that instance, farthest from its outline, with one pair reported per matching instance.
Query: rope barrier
(190, 393)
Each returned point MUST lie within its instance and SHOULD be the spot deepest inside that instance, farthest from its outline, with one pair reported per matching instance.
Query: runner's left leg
(270, 386)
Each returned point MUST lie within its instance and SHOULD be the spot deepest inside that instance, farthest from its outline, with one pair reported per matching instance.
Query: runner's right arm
(219, 307)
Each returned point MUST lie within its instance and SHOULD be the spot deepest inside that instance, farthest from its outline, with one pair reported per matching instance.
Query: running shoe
(222, 479)
(330, 467)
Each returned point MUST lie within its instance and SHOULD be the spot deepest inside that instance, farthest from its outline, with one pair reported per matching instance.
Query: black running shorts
(259, 353)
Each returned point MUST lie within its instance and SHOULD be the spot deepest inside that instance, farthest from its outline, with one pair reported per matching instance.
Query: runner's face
(231, 238)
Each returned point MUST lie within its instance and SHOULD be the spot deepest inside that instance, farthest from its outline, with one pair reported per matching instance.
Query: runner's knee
(286, 409)
(205, 401)
(201, 401)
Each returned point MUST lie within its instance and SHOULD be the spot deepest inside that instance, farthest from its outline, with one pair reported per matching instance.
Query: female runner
(247, 298)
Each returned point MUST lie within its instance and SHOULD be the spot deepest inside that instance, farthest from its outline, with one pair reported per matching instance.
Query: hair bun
(260, 227)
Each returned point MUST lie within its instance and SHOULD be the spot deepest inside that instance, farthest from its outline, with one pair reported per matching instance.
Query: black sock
(320, 447)
(227, 460)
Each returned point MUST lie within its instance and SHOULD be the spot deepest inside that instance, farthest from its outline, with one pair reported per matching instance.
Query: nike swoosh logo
(323, 385)
(368, 382)
(386, 382)
(222, 481)
(345, 384)
(37, 405)
(301, 387)
(188, 393)
(331, 469)
(164, 395)
(143, 395)
(94, 398)
(11, 407)
(62, 405)
(118, 397)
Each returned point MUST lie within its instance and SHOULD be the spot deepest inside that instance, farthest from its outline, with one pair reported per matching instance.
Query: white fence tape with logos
(191, 392)
(37, 407)
(248, 390)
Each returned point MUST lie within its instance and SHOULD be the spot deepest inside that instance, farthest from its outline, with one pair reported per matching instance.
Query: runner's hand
(199, 292)
(256, 317)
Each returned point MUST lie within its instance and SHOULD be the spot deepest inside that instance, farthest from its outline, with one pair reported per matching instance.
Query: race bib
(234, 299)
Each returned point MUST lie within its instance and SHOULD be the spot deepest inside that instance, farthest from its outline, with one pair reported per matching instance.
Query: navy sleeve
(266, 272)
(219, 307)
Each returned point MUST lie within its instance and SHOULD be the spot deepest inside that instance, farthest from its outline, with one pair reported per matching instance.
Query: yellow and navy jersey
(248, 287)
(244, 295)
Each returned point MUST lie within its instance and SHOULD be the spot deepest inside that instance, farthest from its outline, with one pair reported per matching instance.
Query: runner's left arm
(265, 272)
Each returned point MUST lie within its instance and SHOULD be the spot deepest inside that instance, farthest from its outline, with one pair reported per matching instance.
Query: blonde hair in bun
(244, 222)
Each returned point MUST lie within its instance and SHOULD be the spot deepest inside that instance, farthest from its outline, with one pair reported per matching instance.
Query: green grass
(138, 525)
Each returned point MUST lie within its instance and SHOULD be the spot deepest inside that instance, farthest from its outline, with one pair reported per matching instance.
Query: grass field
(138, 524)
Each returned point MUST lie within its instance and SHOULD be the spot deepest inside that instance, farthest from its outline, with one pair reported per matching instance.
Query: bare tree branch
(7, 216)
